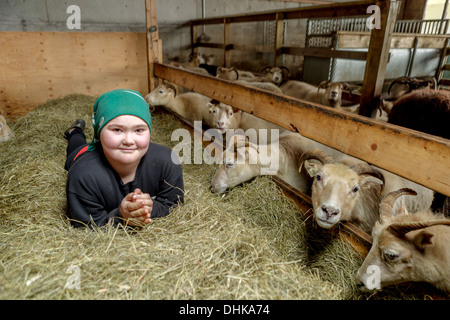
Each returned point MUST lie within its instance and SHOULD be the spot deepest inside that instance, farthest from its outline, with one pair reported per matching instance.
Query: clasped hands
(136, 208)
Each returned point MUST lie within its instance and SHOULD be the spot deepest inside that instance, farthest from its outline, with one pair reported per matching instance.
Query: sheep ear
(423, 239)
(312, 167)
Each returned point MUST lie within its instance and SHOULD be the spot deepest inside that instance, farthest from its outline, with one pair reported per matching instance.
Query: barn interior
(258, 241)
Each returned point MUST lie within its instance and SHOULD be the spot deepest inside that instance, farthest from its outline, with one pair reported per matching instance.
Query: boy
(120, 177)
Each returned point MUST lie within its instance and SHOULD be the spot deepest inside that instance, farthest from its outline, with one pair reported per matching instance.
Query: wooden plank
(355, 8)
(38, 66)
(154, 45)
(325, 53)
(377, 59)
(359, 40)
(414, 155)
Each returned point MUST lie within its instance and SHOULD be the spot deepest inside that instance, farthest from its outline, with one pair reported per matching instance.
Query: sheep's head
(240, 164)
(404, 85)
(397, 238)
(223, 116)
(227, 73)
(5, 132)
(276, 74)
(196, 59)
(161, 95)
(336, 187)
(333, 91)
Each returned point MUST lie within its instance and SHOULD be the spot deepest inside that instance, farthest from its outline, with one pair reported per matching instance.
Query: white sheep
(327, 93)
(243, 160)
(190, 105)
(242, 120)
(227, 73)
(223, 116)
(275, 75)
(407, 247)
(269, 86)
(5, 131)
(233, 74)
(352, 192)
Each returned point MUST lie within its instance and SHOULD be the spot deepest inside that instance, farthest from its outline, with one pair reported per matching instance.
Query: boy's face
(125, 140)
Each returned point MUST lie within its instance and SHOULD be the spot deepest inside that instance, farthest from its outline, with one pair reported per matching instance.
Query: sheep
(190, 66)
(190, 105)
(275, 75)
(423, 110)
(5, 132)
(407, 247)
(279, 158)
(227, 73)
(233, 74)
(352, 191)
(404, 85)
(245, 121)
(331, 96)
(223, 116)
(269, 86)
(195, 59)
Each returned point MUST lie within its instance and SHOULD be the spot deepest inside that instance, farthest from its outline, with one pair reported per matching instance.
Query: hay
(252, 243)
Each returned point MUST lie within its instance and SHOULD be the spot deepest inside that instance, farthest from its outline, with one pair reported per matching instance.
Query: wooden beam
(306, 1)
(154, 44)
(325, 53)
(278, 41)
(356, 8)
(378, 57)
(417, 156)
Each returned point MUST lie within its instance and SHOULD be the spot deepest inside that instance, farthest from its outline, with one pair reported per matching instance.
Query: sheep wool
(116, 103)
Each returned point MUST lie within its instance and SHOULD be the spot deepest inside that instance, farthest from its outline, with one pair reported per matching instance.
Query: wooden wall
(38, 66)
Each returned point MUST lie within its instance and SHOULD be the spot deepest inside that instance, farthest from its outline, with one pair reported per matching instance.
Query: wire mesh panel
(320, 31)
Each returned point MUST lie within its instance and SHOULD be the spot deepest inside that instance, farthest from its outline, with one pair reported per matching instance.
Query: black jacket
(95, 191)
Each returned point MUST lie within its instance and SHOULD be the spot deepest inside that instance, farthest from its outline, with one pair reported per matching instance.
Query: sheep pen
(251, 243)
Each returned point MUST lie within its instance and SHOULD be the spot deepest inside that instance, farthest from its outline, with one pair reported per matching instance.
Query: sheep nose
(220, 123)
(330, 211)
(360, 285)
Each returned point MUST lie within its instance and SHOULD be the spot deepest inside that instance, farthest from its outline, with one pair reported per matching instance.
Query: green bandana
(117, 103)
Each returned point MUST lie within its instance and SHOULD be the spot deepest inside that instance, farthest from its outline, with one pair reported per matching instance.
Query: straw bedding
(251, 243)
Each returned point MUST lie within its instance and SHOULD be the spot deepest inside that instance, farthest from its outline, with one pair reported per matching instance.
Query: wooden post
(226, 42)
(154, 44)
(194, 38)
(278, 43)
(377, 59)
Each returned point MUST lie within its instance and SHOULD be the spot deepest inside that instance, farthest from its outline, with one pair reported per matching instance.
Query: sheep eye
(355, 189)
(318, 177)
(229, 165)
(389, 256)
(160, 91)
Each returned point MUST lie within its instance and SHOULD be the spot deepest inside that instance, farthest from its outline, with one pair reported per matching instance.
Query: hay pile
(252, 243)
